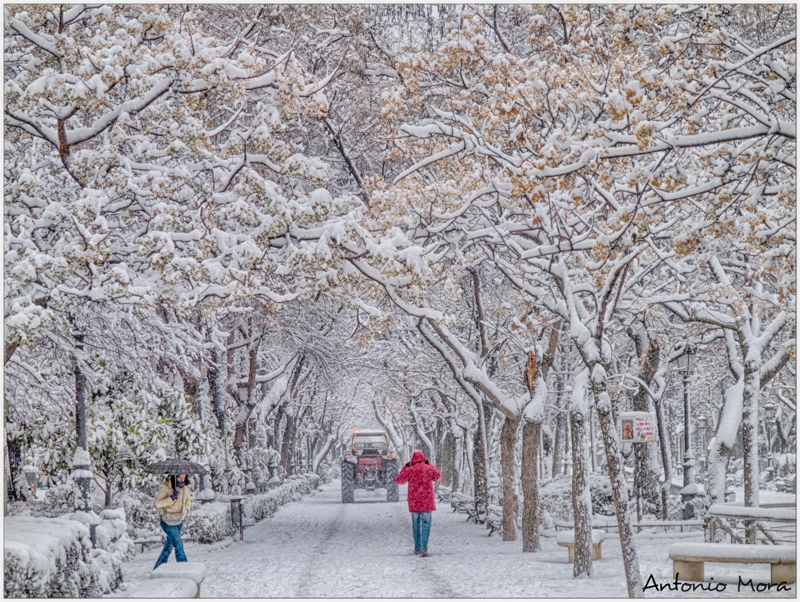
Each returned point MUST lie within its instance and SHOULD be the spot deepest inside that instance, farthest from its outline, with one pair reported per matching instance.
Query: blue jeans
(421, 523)
(173, 540)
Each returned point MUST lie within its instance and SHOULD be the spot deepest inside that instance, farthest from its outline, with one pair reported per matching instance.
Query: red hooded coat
(419, 475)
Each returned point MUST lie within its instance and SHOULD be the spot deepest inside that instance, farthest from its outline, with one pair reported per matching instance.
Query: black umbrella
(175, 466)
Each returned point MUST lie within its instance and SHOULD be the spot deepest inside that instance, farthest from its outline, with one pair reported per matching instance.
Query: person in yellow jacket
(174, 501)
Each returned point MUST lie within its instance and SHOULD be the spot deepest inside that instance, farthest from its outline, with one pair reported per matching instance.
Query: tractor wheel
(392, 488)
(348, 482)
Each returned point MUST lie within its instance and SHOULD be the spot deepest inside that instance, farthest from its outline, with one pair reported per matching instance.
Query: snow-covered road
(321, 548)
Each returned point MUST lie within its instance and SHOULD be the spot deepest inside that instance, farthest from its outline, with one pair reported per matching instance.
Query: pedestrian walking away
(420, 475)
(174, 501)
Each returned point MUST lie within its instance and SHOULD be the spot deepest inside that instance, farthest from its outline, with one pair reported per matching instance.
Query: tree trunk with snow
(561, 427)
(247, 406)
(446, 458)
(616, 474)
(480, 493)
(581, 493)
(649, 357)
(666, 454)
(531, 432)
(320, 455)
(507, 437)
(387, 426)
(750, 399)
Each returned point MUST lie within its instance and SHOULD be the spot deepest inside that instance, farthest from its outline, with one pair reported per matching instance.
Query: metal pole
(688, 460)
(637, 477)
(81, 472)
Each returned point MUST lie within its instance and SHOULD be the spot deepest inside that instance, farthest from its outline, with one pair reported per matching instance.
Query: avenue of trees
(486, 229)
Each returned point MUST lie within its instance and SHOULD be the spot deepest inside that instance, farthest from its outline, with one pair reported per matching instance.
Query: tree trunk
(750, 431)
(507, 436)
(14, 465)
(720, 454)
(561, 427)
(530, 487)
(247, 405)
(619, 488)
(479, 473)
(666, 453)
(287, 443)
(447, 457)
(650, 359)
(581, 494)
(217, 383)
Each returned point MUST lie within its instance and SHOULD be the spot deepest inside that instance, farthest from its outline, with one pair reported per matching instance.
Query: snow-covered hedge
(54, 558)
(211, 522)
(259, 507)
(556, 496)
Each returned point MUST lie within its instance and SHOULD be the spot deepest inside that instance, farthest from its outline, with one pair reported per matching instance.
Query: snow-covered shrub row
(141, 512)
(54, 557)
(211, 522)
(259, 507)
(556, 496)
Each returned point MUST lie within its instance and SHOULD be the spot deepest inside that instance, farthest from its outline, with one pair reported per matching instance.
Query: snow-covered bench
(688, 559)
(192, 571)
(566, 539)
(166, 588)
(494, 520)
(461, 503)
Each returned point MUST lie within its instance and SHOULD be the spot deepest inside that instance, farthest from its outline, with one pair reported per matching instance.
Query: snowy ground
(321, 548)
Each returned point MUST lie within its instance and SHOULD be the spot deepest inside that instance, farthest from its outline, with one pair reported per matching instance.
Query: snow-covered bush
(45, 558)
(54, 558)
(259, 507)
(141, 513)
(328, 472)
(556, 496)
(211, 522)
(208, 523)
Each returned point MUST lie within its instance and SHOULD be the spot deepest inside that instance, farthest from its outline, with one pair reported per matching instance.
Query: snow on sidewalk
(321, 548)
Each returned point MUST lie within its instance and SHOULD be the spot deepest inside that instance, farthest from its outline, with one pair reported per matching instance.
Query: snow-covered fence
(768, 524)
(54, 558)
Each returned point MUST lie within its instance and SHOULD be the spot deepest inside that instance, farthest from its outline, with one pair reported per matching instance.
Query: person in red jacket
(420, 475)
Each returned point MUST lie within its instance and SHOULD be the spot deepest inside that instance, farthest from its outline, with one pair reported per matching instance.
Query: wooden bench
(142, 541)
(688, 559)
(182, 571)
(165, 588)
(566, 539)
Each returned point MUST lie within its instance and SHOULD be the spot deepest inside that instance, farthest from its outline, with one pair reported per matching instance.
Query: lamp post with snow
(702, 423)
(685, 366)
(770, 412)
(244, 392)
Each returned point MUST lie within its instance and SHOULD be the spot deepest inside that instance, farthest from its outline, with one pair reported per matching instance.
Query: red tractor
(368, 465)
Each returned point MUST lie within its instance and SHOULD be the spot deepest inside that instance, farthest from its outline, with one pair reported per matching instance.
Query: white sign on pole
(637, 427)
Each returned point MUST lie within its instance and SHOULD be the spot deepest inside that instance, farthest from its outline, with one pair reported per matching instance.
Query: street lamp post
(769, 419)
(685, 365)
(702, 422)
(244, 393)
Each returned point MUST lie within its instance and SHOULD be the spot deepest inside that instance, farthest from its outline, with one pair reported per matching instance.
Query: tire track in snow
(313, 562)
(427, 565)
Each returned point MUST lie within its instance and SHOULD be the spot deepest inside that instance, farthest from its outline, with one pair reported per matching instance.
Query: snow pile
(53, 557)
